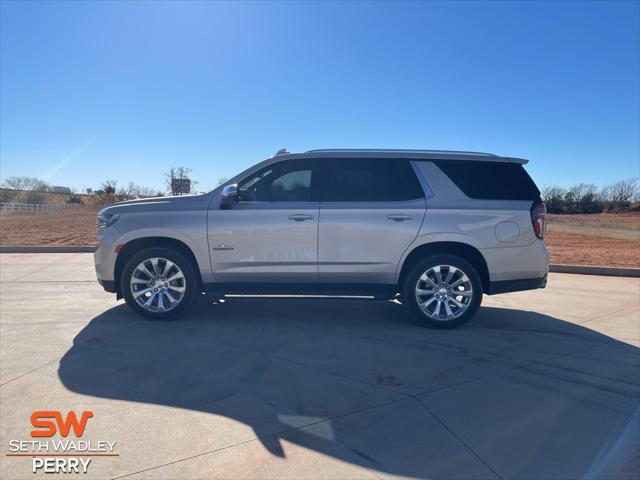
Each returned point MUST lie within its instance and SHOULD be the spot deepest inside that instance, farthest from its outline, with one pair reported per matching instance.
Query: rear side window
(369, 180)
(402, 182)
(490, 180)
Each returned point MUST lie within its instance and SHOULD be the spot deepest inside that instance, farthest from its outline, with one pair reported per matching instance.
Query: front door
(271, 233)
(370, 212)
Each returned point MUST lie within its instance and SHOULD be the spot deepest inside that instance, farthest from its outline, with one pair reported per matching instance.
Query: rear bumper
(524, 265)
(506, 286)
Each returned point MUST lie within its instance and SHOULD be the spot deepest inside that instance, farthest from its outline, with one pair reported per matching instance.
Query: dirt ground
(55, 228)
(599, 239)
(625, 226)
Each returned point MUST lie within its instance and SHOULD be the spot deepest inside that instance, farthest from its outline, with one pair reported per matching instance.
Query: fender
(428, 238)
(195, 245)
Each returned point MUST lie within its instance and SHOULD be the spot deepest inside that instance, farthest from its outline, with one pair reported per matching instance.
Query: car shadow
(531, 395)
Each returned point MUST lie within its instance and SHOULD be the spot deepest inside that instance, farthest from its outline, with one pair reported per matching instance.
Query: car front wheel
(159, 283)
(444, 291)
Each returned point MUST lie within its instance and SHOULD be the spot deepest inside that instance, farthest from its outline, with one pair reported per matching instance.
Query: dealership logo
(68, 454)
(47, 428)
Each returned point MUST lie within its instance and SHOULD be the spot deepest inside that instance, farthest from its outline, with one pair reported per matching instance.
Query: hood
(160, 204)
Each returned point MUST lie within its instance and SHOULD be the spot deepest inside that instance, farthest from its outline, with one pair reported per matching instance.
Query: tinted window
(490, 180)
(369, 180)
(354, 180)
(402, 182)
(282, 182)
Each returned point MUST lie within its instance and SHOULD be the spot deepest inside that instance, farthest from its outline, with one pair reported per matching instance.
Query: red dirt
(566, 238)
(573, 249)
(57, 228)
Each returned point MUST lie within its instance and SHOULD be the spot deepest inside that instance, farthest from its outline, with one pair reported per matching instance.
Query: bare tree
(222, 180)
(583, 198)
(179, 173)
(553, 197)
(133, 190)
(109, 187)
(623, 191)
(127, 191)
(29, 188)
(147, 192)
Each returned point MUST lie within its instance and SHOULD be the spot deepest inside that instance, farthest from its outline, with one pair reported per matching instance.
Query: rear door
(370, 212)
(271, 233)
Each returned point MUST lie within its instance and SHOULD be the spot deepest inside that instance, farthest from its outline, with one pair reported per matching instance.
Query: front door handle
(300, 217)
(398, 217)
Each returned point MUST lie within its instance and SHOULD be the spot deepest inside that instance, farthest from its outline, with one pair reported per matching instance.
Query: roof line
(393, 150)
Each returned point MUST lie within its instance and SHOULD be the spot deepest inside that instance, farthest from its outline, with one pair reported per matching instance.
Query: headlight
(103, 220)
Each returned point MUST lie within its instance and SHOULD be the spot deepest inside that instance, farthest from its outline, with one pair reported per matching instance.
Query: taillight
(538, 212)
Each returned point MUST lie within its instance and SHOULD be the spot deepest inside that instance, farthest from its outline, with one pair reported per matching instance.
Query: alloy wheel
(157, 284)
(444, 292)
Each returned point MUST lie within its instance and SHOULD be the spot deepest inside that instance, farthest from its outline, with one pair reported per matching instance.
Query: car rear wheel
(159, 283)
(444, 291)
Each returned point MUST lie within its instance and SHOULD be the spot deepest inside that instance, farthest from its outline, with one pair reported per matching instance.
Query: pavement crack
(523, 366)
(30, 371)
(329, 372)
(263, 437)
(620, 310)
(446, 427)
(57, 359)
(39, 269)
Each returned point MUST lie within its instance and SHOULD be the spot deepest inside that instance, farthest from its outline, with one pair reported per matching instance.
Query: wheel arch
(132, 247)
(463, 250)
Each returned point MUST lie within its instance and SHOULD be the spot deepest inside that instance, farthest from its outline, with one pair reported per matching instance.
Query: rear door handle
(300, 217)
(399, 217)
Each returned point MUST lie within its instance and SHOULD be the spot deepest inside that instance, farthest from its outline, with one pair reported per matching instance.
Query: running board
(305, 290)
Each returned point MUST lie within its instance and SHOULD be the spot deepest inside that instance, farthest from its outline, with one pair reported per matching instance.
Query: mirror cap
(230, 190)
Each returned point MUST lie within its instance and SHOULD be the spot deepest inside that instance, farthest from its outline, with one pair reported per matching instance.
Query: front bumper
(108, 285)
(104, 259)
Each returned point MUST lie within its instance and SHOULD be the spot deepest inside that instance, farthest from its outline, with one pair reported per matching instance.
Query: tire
(184, 289)
(423, 277)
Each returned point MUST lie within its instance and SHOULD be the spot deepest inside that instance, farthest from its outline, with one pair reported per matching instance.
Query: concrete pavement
(541, 384)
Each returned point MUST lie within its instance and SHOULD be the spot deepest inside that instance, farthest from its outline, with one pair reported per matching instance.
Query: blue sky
(98, 90)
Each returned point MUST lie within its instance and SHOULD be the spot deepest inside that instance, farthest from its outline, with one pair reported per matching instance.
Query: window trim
(428, 192)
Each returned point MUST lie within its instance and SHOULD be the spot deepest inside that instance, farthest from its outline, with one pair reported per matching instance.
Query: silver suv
(434, 229)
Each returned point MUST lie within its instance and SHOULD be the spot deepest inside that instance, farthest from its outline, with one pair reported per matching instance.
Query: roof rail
(393, 150)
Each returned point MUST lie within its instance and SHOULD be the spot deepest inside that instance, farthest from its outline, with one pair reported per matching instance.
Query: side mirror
(229, 195)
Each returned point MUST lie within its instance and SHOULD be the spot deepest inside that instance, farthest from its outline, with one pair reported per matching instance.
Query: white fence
(36, 207)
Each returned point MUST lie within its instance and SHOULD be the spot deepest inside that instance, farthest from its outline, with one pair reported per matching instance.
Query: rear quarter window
(490, 180)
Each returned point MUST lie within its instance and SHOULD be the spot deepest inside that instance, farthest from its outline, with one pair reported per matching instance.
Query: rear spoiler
(521, 161)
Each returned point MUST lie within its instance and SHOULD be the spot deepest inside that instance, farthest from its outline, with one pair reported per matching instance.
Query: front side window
(369, 180)
(288, 181)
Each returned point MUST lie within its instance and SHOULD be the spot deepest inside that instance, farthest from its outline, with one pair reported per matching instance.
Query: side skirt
(376, 291)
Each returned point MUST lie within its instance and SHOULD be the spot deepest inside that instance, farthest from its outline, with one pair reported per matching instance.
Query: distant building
(65, 190)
